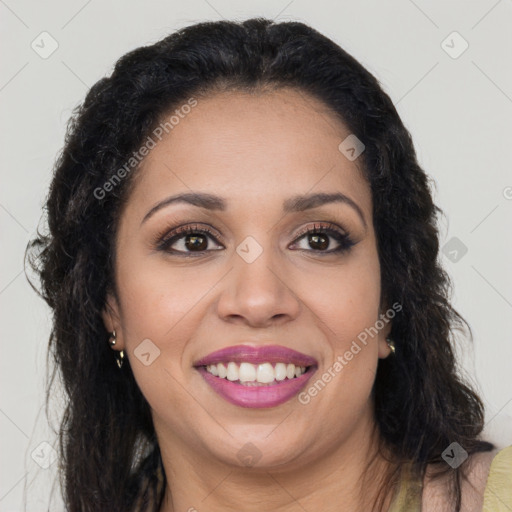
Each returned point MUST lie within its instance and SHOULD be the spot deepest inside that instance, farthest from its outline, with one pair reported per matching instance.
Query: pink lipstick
(257, 377)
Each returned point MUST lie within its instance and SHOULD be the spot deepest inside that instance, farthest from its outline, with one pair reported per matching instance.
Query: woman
(239, 217)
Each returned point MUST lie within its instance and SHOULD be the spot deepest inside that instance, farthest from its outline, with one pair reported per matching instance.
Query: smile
(247, 373)
(256, 377)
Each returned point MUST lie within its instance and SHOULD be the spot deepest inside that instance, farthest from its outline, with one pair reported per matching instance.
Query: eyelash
(165, 239)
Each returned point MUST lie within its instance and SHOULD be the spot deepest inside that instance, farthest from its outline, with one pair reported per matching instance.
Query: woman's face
(247, 275)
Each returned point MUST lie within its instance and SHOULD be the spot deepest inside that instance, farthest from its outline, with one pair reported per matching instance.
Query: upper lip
(257, 355)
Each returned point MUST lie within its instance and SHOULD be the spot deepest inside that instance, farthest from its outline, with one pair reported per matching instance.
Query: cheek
(345, 298)
(161, 309)
(158, 301)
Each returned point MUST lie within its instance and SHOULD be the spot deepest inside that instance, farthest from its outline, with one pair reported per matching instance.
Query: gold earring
(120, 355)
(391, 345)
(120, 358)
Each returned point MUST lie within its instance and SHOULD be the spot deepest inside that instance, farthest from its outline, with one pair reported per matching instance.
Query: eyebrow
(298, 203)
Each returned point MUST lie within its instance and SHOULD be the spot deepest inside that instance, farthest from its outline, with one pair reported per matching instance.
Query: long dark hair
(108, 450)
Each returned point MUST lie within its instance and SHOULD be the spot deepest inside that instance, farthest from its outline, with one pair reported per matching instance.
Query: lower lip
(257, 396)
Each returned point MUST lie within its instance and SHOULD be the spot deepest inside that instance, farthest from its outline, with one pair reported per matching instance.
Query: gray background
(457, 107)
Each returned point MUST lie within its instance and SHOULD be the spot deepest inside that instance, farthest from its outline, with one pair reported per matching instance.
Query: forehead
(254, 148)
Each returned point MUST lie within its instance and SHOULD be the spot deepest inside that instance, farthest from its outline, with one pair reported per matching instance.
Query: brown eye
(319, 238)
(198, 242)
(187, 240)
(318, 241)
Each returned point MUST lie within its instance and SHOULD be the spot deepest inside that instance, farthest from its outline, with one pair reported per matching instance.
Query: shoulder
(498, 489)
(488, 478)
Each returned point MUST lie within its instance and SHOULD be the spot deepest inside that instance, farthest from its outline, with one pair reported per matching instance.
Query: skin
(255, 151)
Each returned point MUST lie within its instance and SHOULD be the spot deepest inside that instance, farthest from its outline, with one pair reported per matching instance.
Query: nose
(258, 294)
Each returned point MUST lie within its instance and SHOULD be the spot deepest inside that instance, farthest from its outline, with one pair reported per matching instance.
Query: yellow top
(498, 490)
(497, 495)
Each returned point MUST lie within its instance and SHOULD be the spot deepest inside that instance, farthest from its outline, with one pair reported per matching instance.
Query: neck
(347, 478)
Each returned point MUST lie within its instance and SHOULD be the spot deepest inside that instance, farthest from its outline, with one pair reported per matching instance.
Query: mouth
(263, 374)
(256, 377)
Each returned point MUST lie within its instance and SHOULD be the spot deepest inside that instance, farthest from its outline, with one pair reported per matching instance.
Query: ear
(111, 319)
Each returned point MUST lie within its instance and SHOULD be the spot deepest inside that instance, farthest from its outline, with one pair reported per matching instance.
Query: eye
(319, 238)
(191, 240)
(187, 239)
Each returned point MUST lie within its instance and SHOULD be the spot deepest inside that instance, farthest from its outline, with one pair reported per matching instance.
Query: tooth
(280, 370)
(266, 373)
(263, 373)
(247, 372)
(221, 369)
(232, 373)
